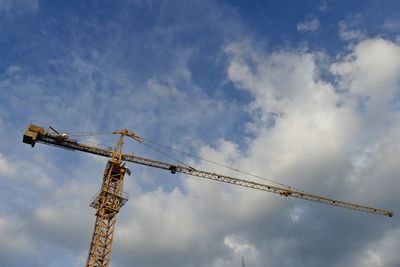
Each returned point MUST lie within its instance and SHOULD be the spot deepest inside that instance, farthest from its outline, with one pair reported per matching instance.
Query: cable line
(219, 164)
(184, 153)
(87, 133)
(168, 156)
(297, 234)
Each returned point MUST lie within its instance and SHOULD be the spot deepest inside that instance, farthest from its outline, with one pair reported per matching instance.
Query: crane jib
(35, 134)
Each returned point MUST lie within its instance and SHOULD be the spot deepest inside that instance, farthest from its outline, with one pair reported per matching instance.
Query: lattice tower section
(107, 203)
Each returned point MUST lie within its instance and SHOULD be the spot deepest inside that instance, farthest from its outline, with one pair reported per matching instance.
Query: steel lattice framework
(111, 197)
(107, 204)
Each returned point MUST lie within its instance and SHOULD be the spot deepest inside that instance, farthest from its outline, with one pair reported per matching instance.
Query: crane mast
(107, 203)
(111, 197)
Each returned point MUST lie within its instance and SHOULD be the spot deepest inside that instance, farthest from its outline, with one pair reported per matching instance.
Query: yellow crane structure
(111, 197)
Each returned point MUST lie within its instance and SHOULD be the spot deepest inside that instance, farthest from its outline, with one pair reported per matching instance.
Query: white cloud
(350, 35)
(14, 241)
(380, 253)
(18, 7)
(65, 220)
(323, 6)
(371, 70)
(391, 25)
(313, 140)
(308, 25)
(162, 90)
(6, 168)
(23, 172)
(351, 28)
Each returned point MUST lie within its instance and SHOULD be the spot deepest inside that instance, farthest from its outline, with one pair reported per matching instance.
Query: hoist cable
(167, 155)
(219, 164)
(146, 142)
(87, 133)
(297, 234)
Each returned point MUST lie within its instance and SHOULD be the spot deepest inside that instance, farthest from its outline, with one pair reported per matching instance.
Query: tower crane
(111, 197)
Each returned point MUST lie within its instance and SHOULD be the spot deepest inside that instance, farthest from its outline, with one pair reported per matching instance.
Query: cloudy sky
(306, 93)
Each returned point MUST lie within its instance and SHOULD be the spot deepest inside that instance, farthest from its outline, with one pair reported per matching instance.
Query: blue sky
(304, 92)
